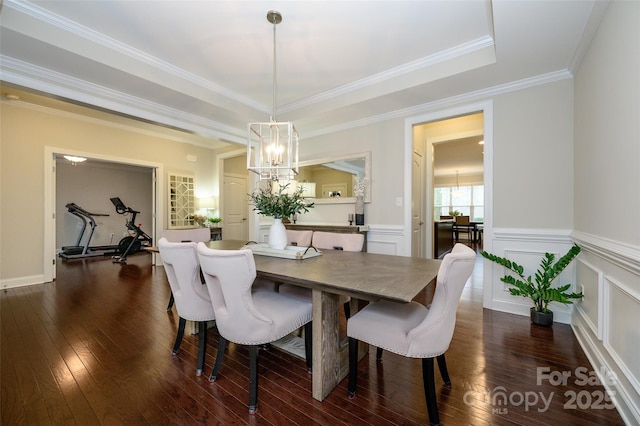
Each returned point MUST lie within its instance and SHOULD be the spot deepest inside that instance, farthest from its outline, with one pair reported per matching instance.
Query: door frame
(486, 107)
(251, 219)
(158, 198)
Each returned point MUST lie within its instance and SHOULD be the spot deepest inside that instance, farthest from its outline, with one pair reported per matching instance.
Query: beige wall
(25, 133)
(236, 165)
(607, 202)
(533, 160)
(532, 164)
(533, 157)
(607, 126)
(470, 179)
(385, 142)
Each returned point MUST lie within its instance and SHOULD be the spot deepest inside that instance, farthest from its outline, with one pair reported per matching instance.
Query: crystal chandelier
(272, 147)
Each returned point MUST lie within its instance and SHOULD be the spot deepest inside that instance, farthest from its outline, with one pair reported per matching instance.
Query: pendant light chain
(274, 71)
(272, 148)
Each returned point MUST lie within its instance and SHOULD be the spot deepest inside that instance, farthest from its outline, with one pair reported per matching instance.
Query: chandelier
(272, 147)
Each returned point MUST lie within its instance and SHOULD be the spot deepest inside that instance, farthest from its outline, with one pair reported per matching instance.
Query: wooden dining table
(361, 275)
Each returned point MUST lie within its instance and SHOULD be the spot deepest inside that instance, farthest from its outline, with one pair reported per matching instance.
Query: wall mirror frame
(355, 163)
(181, 201)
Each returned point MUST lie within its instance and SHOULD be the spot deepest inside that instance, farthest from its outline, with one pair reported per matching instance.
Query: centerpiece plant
(279, 204)
(539, 289)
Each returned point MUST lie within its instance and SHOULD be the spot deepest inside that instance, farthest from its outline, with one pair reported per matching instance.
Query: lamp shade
(206, 203)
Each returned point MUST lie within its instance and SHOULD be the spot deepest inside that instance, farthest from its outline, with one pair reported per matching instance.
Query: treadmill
(80, 250)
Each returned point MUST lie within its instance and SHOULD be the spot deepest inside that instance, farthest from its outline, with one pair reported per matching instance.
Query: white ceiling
(205, 67)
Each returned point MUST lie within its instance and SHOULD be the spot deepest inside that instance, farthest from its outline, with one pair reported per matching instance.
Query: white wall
(607, 202)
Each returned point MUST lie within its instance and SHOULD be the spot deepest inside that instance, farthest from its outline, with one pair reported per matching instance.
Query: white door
(236, 208)
(417, 205)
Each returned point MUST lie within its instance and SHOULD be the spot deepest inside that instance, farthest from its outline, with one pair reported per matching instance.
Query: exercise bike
(136, 239)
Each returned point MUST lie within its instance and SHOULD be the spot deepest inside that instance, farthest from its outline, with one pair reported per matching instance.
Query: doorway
(420, 172)
(234, 184)
(156, 188)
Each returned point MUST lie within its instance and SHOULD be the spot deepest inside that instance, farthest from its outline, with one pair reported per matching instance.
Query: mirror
(181, 201)
(333, 177)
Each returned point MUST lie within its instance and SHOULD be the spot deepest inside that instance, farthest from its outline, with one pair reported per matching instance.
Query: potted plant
(278, 205)
(539, 289)
(214, 221)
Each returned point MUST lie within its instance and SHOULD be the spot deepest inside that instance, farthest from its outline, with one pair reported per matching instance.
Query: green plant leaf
(540, 291)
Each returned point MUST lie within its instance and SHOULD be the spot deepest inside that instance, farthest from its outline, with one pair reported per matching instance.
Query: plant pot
(544, 319)
(277, 235)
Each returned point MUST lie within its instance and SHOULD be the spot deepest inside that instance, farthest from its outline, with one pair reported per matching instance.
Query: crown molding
(465, 98)
(45, 17)
(38, 78)
(393, 73)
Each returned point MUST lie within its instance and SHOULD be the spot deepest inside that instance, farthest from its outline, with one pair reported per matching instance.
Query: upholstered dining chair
(194, 235)
(413, 330)
(191, 296)
(330, 241)
(245, 317)
(298, 238)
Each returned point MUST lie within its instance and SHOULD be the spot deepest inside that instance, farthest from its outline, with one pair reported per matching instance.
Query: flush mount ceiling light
(272, 147)
(74, 160)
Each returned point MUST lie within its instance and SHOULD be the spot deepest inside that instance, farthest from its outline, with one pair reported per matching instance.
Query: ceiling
(204, 68)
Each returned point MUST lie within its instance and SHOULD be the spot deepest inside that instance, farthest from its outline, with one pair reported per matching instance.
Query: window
(468, 200)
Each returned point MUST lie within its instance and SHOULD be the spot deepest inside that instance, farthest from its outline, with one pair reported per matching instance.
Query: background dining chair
(191, 296)
(299, 238)
(413, 330)
(337, 241)
(330, 241)
(194, 235)
(462, 224)
(245, 317)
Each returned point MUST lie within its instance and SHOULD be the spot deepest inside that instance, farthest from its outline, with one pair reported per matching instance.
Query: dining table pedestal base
(330, 355)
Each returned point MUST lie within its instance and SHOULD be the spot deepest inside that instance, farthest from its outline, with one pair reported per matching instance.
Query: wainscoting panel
(385, 240)
(622, 337)
(527, 248)
(612, 344)
(590, 281)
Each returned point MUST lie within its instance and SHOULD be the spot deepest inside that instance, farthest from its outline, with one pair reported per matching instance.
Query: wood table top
(362, 275)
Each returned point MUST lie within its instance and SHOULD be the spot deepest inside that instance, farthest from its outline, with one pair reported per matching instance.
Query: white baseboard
(22, 281)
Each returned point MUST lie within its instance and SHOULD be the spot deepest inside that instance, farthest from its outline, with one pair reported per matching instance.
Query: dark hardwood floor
(94, 347)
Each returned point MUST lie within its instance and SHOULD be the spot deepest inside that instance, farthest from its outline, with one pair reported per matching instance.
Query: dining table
(360, 275)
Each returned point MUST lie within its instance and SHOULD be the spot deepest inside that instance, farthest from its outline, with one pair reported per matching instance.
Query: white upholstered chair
(194, 235)
(338, 241)
(191, 296)
(413, 330)
(331, 241)
(245, 317)
(186, 235)
(299, 238)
